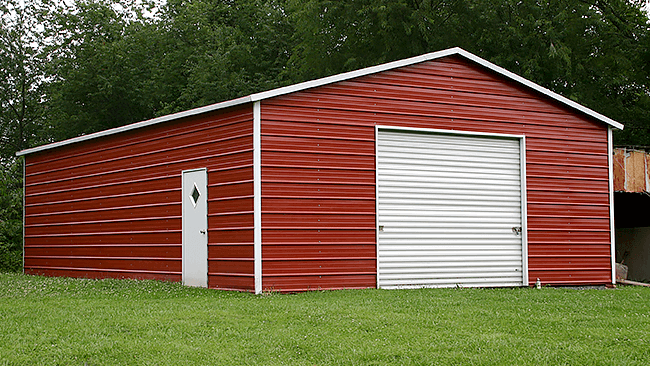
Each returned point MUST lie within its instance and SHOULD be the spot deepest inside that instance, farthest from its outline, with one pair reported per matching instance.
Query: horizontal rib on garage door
(447, 205)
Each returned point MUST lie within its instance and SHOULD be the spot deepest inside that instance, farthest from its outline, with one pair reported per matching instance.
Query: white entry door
(195, 228)
(450, 210)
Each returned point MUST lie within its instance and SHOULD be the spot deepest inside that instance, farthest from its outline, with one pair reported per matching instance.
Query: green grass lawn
(62, 321)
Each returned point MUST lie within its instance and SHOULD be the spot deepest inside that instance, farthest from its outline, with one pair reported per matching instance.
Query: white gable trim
(356, 73)
(540, 89)
(333, 79)
(428, 57)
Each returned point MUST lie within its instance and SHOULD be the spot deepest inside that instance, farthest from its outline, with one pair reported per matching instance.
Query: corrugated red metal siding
(111, 207)
(318, 178)
(318, 202)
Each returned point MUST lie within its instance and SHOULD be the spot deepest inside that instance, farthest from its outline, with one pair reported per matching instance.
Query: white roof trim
(432, 56)
(540, 89)
(333, 79)
(356, 73)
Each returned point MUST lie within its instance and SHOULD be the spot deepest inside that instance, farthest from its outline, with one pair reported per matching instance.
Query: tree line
(73, 67)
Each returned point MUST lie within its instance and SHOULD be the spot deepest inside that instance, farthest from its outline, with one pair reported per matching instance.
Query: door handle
(202, 232)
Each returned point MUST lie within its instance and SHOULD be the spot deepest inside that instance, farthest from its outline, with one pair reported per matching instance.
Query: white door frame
(195, 227)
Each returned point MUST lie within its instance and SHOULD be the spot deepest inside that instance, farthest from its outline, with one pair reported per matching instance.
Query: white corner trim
(524, 210)
(257, 194)
(133, 126)
(612, 226)
(376, 208)
(24, 161)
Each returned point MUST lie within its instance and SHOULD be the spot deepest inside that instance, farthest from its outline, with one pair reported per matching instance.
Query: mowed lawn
(62, 321)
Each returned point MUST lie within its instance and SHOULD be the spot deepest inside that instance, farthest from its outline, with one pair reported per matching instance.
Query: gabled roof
(333, 79)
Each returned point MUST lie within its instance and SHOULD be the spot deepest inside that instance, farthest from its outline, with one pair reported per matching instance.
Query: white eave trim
(333, 79)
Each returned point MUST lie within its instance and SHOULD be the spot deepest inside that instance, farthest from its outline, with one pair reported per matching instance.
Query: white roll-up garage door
(449, 210)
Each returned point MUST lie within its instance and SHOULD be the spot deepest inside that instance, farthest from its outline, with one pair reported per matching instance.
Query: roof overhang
(333, 79)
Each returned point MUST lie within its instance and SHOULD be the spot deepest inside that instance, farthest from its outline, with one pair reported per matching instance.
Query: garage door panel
(474, 274)
(424, 234)
(471, 261)
(426, 187)
(494, 209)
(452, 254)
(458, 215)
(449, 208)
(423, 230)
(423, 163)
(505, 179)
(460, 145)
(415, 249)
(446, 241)
(443, 222)
(461, 282)
(450, 196)
(452, 222)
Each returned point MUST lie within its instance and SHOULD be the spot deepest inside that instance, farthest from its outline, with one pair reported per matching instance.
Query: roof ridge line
(333, 79)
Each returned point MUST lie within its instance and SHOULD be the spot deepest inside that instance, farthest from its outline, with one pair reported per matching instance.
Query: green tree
(595, 52)
(72, 68)
(115, 66)
(11, 241)
(102, 67)
(338, 36)
(225, 49)
(21, 114)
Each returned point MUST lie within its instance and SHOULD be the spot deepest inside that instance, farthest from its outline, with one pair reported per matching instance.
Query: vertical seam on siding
(612, 228)
(257, 195)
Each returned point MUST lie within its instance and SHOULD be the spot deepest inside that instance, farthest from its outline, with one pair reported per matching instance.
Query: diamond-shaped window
(195, 195)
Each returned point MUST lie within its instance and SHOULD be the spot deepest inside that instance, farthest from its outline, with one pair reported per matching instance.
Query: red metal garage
(439, 170)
